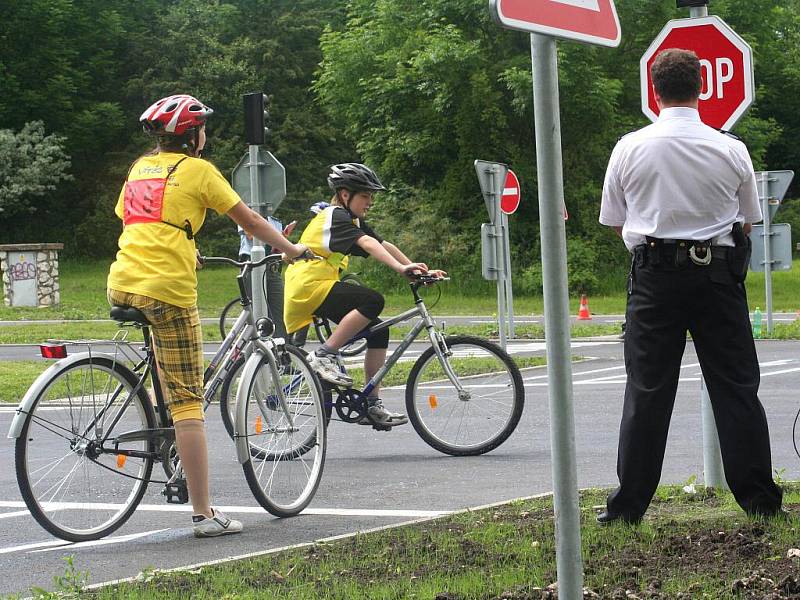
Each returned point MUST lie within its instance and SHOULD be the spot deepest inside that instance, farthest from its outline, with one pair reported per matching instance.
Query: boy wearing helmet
(313, 287)
(162, 204)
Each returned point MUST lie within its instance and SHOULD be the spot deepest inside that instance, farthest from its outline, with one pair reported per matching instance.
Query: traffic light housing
(256, 116)
(691, 3)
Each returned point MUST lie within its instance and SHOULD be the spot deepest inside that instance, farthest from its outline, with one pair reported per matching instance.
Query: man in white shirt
(682, 196)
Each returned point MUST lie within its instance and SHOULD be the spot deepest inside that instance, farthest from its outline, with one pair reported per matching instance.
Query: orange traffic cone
(583, 311)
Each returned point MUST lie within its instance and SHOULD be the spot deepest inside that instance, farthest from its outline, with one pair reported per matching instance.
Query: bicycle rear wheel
(74, 482)
(287, 441)
(476, 420)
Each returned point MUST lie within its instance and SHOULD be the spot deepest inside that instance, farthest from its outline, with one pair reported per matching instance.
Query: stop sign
(726, 61)
(509, 200)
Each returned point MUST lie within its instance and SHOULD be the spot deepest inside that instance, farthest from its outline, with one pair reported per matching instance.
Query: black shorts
(346, 297)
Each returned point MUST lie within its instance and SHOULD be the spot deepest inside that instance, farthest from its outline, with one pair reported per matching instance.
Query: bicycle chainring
(350, 407)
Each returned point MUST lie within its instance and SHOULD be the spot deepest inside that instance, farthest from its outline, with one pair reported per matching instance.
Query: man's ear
(657, 98)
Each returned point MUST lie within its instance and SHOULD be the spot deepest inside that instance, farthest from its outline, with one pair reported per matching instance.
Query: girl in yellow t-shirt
(313, 287)
(162, 205)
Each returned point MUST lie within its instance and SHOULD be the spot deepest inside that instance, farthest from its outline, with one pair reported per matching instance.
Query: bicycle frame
(426, 322)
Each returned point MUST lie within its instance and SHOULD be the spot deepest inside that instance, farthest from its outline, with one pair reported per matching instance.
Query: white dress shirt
(679, 179)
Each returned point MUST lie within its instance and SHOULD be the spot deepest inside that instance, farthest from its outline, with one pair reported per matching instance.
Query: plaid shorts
(178, 343)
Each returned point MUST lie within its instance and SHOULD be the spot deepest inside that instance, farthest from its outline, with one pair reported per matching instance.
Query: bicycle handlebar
(307, 255)
(426, 279)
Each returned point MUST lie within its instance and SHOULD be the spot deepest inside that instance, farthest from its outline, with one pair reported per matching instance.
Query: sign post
(596, 22)
(491, 177)
(260, 181)
(772, 244)
(509, 203)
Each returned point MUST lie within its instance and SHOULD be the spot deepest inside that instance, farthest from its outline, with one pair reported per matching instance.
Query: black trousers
(664, 302)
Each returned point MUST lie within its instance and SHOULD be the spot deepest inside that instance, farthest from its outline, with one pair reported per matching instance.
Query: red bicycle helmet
(175, 115)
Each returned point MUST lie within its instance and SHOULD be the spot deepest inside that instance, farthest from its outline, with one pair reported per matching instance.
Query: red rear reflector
(53, 350)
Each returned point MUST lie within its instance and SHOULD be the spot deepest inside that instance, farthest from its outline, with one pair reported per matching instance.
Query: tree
(31, 165)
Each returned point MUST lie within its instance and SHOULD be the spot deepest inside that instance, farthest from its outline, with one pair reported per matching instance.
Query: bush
(31, 164)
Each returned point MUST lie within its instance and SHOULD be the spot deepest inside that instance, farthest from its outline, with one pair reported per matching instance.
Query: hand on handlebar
(412, 270)
(302, 253)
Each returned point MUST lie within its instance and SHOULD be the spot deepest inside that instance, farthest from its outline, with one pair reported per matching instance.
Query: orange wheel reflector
(432, 401)
(121, 458)
(259, 424)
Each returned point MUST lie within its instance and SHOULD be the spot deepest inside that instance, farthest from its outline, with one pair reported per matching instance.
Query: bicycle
(464, 395)
(87, 433)
(322, 327)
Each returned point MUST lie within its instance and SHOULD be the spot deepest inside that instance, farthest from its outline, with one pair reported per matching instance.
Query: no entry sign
(591, 21)
(727, 66)
(509, 200)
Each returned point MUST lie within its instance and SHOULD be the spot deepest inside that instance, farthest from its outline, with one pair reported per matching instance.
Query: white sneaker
(217, 525)
(378, 415)
(328, 369)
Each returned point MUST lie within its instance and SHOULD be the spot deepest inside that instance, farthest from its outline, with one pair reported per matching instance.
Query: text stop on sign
(726, 63)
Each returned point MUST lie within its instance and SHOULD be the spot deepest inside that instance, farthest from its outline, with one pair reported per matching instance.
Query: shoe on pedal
(217, 525)
(378, 415)
(326, 367)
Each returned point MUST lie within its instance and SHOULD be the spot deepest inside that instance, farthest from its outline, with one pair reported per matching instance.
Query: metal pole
(569, 564)
(508, 285)
(698, 11)
(257, 252)
(497, 191)
(763, 191)
(712, 461)
(713, 473)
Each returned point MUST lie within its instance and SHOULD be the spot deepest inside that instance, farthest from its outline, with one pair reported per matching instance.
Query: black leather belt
(680, 253)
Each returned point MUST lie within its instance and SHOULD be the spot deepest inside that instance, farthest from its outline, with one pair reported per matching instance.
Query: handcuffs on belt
(705, 257)
(699, 251)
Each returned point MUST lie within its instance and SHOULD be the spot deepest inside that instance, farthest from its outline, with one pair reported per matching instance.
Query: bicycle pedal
(377, 427)
(176, 492)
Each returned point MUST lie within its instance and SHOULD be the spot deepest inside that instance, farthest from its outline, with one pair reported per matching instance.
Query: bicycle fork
(442, 353)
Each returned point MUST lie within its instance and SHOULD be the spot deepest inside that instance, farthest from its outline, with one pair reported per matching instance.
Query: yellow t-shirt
(333, 234)
(155, 259)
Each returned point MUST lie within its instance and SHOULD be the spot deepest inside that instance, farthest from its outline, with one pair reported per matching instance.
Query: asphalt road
(377, 478)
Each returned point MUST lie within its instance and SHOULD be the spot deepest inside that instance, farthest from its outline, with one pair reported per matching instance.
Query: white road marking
(341, 512)
(18, 513)
(106, 541)
(33, 546)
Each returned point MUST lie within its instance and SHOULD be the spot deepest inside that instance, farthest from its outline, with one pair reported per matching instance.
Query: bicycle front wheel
(286, 439)
(76, 481)
(476, 419)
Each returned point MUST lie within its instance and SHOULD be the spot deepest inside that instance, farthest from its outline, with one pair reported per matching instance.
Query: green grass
(83, 295)
(691, 546)
(16, 376)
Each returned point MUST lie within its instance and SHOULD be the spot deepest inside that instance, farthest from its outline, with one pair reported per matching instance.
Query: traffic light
(691, 3)
(256, 116)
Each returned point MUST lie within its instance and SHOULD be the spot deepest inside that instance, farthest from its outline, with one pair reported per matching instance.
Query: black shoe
(606, 518)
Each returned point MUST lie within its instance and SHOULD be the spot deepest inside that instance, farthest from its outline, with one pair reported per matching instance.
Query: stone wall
(43, 270)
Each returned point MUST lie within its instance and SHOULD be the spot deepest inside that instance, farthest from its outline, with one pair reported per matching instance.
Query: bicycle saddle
(127, 314)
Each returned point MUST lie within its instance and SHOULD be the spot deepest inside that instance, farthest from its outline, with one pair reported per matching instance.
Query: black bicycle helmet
(355, 177)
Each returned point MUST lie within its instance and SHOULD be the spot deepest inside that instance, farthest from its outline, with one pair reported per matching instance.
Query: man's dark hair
(677, 75)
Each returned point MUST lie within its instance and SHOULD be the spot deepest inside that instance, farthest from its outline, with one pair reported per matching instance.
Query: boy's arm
(379, 252)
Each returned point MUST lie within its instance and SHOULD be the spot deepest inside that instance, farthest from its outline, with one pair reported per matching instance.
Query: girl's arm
(256, 225)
